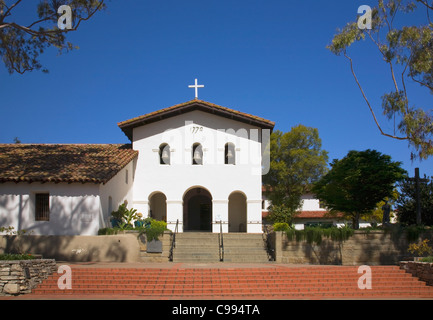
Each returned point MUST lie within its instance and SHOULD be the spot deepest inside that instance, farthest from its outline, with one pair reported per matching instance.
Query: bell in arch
(165, 156)
(230, 154)
(197, 156)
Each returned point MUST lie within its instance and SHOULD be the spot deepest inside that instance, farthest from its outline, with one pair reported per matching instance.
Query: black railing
(268, 242)
(173, 241)
(221, 242)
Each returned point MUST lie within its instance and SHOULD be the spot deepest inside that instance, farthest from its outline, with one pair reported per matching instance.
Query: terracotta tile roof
(191, 105)
(94, 163)
(310, 215)
(316, 215)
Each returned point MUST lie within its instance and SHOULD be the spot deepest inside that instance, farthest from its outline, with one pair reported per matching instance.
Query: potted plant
(139, 222)
(153, 230)
(130, 215)
(117, 217)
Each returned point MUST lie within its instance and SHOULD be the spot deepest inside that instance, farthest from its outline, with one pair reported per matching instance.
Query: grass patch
(14, 256)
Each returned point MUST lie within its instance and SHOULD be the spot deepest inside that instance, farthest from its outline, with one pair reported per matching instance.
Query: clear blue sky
(267, 58)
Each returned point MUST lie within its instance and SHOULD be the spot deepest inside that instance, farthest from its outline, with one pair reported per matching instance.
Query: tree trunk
(355, 221)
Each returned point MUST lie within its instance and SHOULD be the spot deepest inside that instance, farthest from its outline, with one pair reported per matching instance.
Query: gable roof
(85, 163)
(196, 104)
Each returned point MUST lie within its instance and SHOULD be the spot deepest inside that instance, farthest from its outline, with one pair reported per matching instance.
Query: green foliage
(407, 49)
(420, 249)
(153, 230)
(356, 183)
(281, 226)
(427, 259)
(406, 202)
(21, 44)
(296, 162)
(125, 216)
(13, 256)
(316, 234)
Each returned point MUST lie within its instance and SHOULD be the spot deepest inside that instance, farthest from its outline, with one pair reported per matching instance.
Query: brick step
(239, 291)
(308, 282)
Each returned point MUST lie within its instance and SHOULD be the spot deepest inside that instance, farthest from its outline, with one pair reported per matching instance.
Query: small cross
(196, 86)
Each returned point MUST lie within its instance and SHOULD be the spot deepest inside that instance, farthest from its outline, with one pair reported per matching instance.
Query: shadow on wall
(73, 211)
(117, 248)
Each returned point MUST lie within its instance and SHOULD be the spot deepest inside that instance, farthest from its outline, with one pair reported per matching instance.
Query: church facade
(199, 166)
(196, 165)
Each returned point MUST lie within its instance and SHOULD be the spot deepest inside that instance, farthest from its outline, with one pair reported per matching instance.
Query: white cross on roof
(196, 86)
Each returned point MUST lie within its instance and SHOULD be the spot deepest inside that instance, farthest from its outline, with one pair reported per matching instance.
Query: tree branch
(368, 103)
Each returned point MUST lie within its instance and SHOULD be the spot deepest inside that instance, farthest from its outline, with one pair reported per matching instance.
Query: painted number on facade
(195, 129)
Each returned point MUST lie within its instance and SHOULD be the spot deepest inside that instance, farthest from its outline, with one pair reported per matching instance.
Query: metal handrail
(173, 241)
(221, 242)
(269, 247)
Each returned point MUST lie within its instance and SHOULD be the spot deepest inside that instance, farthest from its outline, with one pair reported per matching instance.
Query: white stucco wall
(119, 189)
(174, 180)
(74, 208)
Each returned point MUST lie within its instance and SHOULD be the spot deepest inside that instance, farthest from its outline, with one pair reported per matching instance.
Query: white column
(254, 216)
(174, 213)
(220, 212)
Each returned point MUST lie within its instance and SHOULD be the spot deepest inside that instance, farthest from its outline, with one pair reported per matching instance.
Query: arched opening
(229, 153)
(197, 210)
(158, 206)
(197, 154)
(164, 154)
(237, 212)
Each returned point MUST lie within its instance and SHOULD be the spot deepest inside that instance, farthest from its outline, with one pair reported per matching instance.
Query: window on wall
(197, 154)
(229, 153)
(164, 154)
(42, 207)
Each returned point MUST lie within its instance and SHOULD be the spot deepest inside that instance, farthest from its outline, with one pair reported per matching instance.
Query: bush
(155, 229)
(316, 234)
(281, 226)
(13, 256)
(427, 259)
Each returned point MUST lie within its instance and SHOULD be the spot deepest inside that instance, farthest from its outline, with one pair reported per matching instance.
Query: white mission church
(195, 163)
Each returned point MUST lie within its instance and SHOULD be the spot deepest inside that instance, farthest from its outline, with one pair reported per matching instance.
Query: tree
(296, 162)
(406, 202)
(22, 43)
(408, 51)
(356, 183)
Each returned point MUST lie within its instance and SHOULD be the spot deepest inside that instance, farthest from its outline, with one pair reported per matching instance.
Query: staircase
(270, 282)
(245, 247)
(204, 247)
(196, 247)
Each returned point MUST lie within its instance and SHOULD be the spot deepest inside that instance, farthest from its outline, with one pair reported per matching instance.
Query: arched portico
(197, 210)
(237, 212)
(158, 206)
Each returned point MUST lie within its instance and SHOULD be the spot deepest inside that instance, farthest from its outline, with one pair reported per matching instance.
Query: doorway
(197, 210)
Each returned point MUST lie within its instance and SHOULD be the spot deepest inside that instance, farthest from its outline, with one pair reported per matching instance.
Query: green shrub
(281, 226)
(316, 234)
(13, 256)
(427, 259)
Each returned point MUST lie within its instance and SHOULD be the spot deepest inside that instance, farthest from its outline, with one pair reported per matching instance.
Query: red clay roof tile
(85, 163)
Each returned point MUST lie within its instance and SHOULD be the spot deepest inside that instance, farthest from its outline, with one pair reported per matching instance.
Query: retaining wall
(112, 248)
(373, 248)
(21, 276)
(422, 270)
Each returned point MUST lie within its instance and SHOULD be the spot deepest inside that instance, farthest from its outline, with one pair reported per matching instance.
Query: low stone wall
(113, 248)
(372, 248)
(21, 276)
(422, 270)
